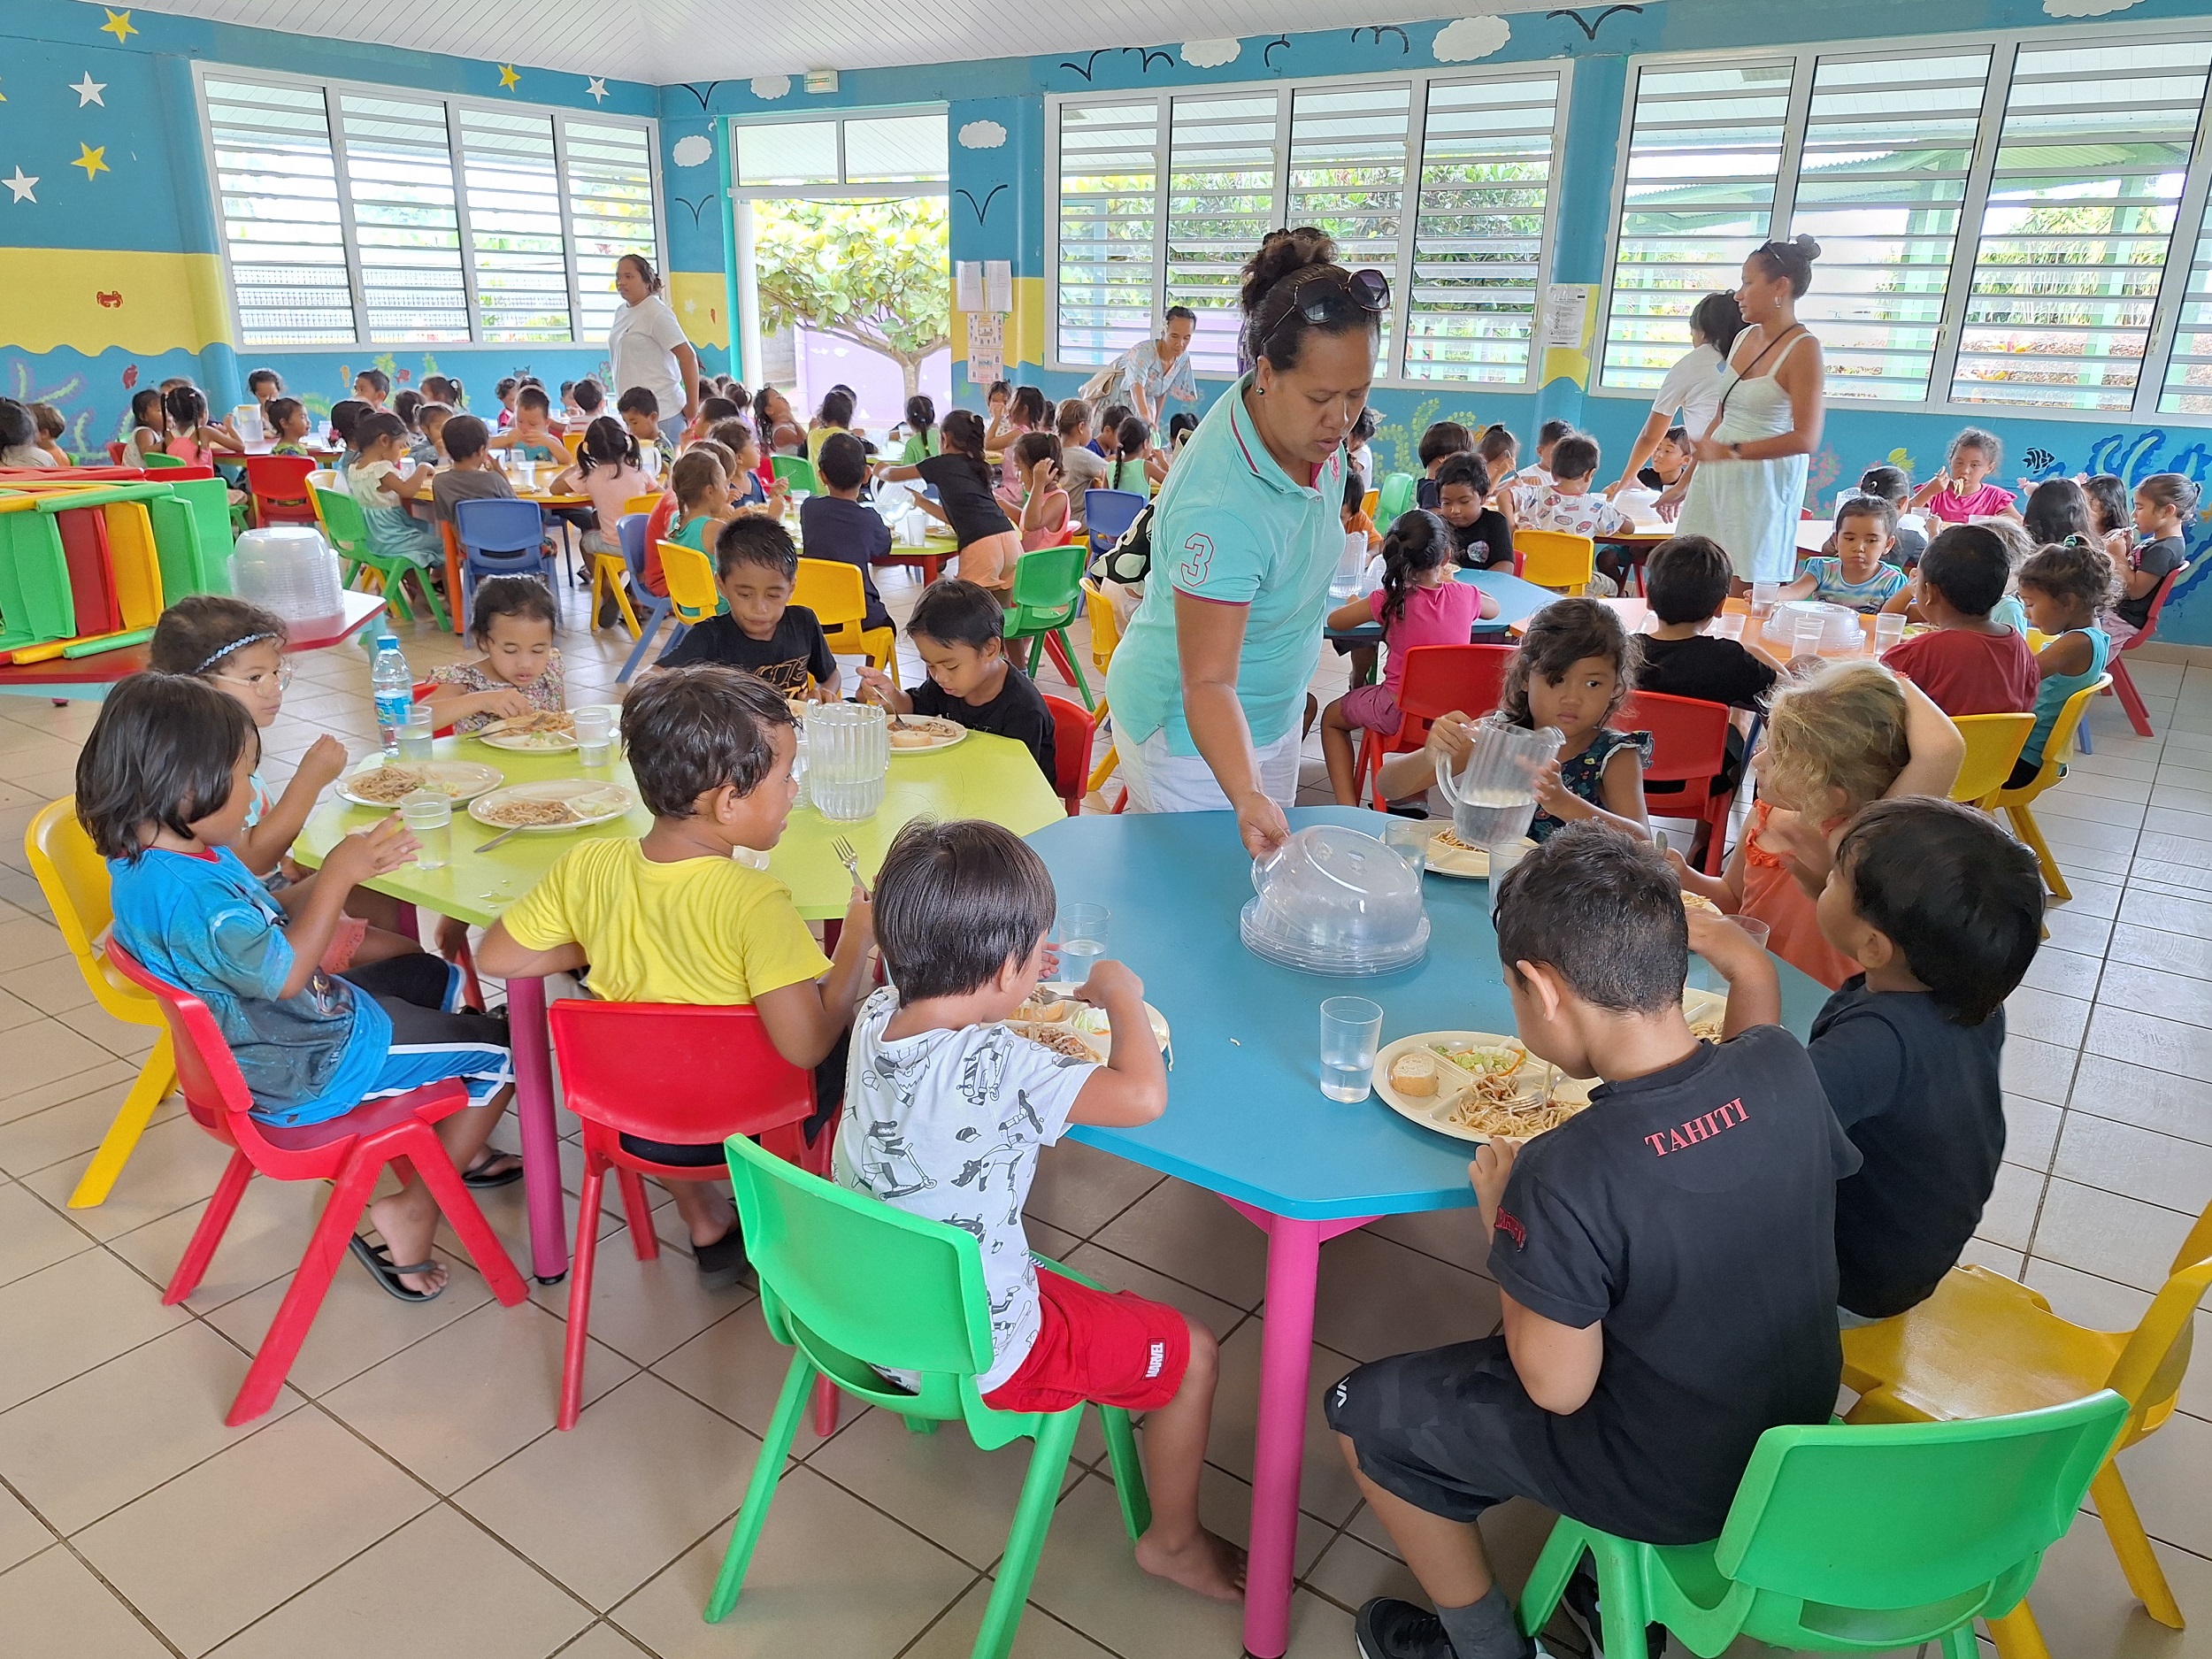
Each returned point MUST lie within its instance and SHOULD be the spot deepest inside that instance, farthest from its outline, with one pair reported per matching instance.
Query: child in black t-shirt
(1943, 910)
(1481, 538)
(761, 632)
(1439, 444)
(834, 523)
(1666, 1259)
(958, 629)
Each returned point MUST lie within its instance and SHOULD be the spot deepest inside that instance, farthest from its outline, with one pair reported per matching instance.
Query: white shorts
(1161, 782)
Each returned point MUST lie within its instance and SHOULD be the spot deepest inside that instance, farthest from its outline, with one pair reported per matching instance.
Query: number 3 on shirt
(1198, 557)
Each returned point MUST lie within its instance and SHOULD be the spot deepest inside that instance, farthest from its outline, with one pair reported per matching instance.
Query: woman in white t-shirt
(1693, 385)
(647, 347)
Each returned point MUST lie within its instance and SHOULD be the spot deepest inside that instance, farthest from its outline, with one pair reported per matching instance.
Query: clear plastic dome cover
(1332, 900)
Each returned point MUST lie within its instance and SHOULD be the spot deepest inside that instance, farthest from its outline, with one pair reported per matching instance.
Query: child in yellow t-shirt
(676, 917)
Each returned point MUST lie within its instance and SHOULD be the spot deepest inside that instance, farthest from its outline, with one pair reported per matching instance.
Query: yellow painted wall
(1026, 336)
(91, 300)
(698, 299)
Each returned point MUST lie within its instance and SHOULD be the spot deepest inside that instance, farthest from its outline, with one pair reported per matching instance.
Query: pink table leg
(541, 1141)
(1294, 1264)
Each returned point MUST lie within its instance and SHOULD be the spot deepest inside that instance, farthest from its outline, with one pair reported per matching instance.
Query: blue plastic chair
(658, 607)
(499, 538)
(1108, 514)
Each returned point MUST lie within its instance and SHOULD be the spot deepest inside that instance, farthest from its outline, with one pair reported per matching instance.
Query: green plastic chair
(843, 1275)
(1395, 496)
(349, 533)
(155, 461)
(1046, 599)
(795, 472)
(1849, 1539)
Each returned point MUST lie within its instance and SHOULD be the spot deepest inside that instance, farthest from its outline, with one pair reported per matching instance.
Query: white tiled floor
(409, 1495)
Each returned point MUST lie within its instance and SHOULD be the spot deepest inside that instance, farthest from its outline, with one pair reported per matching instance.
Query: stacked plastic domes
(1332, 900)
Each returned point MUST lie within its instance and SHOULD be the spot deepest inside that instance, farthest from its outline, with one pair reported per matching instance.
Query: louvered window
(277, 179)
(399, 181)
(518, 247)
(1109, 171)
(610, 213)
(1223, 168)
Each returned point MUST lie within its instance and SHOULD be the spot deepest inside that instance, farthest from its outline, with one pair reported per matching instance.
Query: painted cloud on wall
(1470, 38)
(692, 149)
(771, 87)
(1210, 54)
(982, 135)
(2085, 8)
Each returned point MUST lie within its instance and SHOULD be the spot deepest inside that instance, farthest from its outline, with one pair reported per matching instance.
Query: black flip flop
(479, 1178)
(378, 1260)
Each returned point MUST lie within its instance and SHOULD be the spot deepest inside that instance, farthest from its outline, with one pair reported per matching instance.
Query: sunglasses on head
(1319, 291)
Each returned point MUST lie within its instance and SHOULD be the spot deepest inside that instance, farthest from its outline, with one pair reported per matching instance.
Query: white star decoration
(689, 305)
(596, 87)
(88, 91)
(21, 185)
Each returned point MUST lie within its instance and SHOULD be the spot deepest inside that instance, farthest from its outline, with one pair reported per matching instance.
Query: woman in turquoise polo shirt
(1210, 680)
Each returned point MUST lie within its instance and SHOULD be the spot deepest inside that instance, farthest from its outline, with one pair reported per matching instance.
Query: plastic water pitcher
(849, 756)
(393, 684)
(288, 569)
(1494, 795)
(1351, 564)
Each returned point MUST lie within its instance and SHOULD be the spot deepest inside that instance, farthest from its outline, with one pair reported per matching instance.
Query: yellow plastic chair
(691, 588)
(75, 882)
(2056, 752)
(831, 589)
(641, 504)
(574, 440)
(1105, 636)
(1555, 559)
(610, 573)
(1993, 742)
(1368, 503)
(1984, 1346)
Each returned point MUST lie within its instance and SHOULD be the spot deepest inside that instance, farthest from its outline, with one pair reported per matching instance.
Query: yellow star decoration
(94, 162)
(508, 79)
(118, 24)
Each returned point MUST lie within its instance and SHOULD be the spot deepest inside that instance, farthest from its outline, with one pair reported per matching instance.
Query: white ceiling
(664, 42)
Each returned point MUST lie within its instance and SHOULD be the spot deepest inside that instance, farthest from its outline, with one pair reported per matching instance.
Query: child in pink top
(608, 469)
(1961, 492)
(1046, 515)
(1418, 603)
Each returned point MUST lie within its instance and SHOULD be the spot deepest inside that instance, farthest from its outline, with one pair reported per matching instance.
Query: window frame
(1418, 82)
(734, 127)
(331, 88)
(2004, 46)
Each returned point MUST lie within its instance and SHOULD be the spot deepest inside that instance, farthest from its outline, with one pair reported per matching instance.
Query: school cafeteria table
(1637, 543)
(981, 776)
(1517, 601)
(1635, 613)
(1246, 1118)
(87, 679)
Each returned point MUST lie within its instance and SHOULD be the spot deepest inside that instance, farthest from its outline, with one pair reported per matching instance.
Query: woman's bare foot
(406, 1219)
(1206, 1562)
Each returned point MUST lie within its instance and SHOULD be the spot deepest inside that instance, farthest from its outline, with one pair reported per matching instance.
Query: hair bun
(1282, 253)
(1807, 245)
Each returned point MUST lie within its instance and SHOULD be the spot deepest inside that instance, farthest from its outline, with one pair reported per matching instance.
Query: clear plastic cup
(1732, 623)
(1806, 634)
(1080, 939)
(1889, 629)
(414, 733)
(1409, 838)
(428, 815)
(1351, 1031)
(1503, 857)
(1763, 597)
(1757, 929)
(595, 734)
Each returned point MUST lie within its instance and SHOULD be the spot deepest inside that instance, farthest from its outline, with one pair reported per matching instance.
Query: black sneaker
(723, 1262)
(1387, 1628)
(1580, 1602)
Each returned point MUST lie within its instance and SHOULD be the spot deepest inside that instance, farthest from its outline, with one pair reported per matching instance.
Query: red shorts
(1112, 1349)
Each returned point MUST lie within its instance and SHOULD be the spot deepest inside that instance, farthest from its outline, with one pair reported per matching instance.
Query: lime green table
(981, 776)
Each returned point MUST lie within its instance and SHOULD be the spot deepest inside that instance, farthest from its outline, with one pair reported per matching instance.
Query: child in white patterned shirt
(1568, 503)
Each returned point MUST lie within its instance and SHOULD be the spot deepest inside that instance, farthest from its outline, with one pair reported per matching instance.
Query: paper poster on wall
(1566, 314)
(998, 285)
(967, 285)
(987, 343)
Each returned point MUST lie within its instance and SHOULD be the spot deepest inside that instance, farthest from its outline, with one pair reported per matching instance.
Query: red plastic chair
(1072, 731)
(1689, 746)
(671, 1072)
(115, 453)
(2123, 684)
(351, 1151)
(278, 485)
(1437, 680)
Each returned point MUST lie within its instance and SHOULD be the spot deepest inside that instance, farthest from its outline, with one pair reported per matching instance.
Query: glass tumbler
(1889, 629)
(428, 815)
(1351, 1031)
(414, 733)
(1409, 838)
(595, 734)
(1763, 597)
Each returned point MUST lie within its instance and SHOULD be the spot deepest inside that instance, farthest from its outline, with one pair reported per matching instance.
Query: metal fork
(851, 859)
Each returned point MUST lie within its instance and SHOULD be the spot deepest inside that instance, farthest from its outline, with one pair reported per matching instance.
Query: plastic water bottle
(393, 683)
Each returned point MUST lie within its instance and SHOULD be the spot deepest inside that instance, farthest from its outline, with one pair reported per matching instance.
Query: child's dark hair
(2078, 570)
(836, 409)
(1883, 512)
(953, 612)
(1029, 407)
(1961, 899)
(566, 386)
(638, 400)
(732, 435)
(1467, 470)
(1445, 438)
(162, 752)
(375, 426)
(755, 539)
(1070, 416)
(344, 414)
(2108, 501)
(444, 388)
(148, 399)
(588, 396)
(1987, 444)
(1031, 447)
(696, 472)
(15, 426)
(1551, 432)
(408, 407)
(51, 423)
(523, 596)
(999, 388)
(1686, 579)
(1967, 564)
(464, 436)
(278, 410)
(1889, 482)
(606, 442)
(1498, 448)
(2172, 491)
(1178, 425)
(955, 903)
(1132, 436)
(963, 435)
(1109, 419)
(532, 395)
(1559, 636)
(1415, 545)
(1355, 491)
(379, 382)
(1603, 910)
(187, 406)
(199, 634)
(1574, 455)
(506, 388)
(254, 380)
(434, 416)
(921, 415)
(1678, 436)
(1362, 428)
(2056, 509)
(843, 463)
(689, 730)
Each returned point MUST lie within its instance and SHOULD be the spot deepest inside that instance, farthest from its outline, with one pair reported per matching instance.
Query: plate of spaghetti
(388, 782)
(1472, 1084)
(540, 730)
(552, 804)
(1448, 855)
(1054, 1018)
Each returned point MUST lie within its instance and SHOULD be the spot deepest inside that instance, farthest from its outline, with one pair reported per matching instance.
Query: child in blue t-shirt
(164, 788)
(1859, 574)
